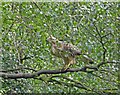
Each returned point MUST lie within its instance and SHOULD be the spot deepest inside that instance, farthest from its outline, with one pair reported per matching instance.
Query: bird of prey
(66, 51)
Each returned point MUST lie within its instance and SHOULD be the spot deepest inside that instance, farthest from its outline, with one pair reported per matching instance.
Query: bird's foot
(64, 69)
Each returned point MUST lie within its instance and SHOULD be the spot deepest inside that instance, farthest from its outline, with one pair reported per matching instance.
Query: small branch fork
(101, 41)
(87, 69)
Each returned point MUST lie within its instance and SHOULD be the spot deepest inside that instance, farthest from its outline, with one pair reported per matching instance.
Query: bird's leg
(65, 67)
(68, 61)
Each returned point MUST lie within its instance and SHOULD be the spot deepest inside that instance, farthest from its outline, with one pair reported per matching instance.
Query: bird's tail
(87, 59)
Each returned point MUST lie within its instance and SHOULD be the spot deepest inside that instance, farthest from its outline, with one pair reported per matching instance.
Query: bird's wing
(62, 48)
(69, 48)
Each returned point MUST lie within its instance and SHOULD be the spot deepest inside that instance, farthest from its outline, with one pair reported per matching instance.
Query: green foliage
(90, 26)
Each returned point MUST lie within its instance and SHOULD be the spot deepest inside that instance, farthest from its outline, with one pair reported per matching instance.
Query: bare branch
(101, 41)
(12, 70)
(38, 73)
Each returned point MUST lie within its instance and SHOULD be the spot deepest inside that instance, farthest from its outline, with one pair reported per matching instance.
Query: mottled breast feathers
(66, 51)
(63, 49)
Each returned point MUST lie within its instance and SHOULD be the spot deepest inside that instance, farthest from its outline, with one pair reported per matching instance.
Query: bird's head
(52, 39)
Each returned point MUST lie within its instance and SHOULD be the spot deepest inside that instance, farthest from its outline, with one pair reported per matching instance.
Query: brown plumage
(63, 50)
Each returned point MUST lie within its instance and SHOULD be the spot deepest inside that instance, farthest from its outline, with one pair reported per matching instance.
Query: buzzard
(66, 51)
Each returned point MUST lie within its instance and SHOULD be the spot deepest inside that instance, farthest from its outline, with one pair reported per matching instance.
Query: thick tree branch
(32, 75)
(17, 69)
(38, 73)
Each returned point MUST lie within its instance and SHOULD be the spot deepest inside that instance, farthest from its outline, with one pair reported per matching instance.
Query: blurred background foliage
(91, 26)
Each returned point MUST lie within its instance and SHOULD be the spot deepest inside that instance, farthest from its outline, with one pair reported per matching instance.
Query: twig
(36, 6)
(76, 82)
(68, 84)
(101, 41)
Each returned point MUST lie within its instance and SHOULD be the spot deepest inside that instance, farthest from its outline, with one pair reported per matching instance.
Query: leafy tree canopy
(27, 63)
